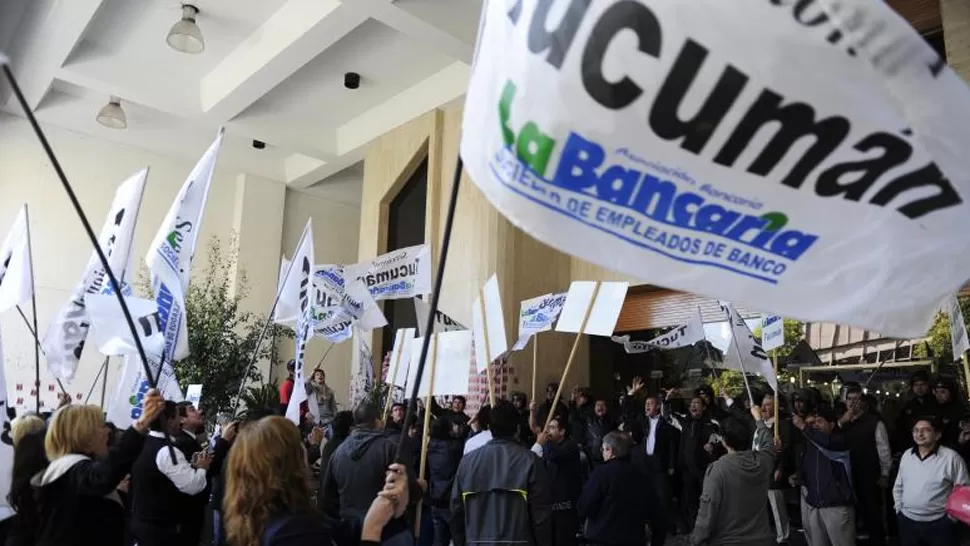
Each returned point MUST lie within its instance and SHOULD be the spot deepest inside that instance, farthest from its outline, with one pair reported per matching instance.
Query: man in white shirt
(159, 477)
(927, 475)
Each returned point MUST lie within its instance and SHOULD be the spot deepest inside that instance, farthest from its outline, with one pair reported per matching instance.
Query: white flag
(538, 315)
(361, 372)
(754, 360)
(442, 322)
(64, 341)
(6, 444)
(684, 335)
(958, 328)
(16, 270)
(299, 288)
(807, 163)
(109, 330)
(284, 313)
(169, 257)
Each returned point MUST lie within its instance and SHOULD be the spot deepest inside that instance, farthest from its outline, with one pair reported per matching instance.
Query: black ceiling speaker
(259, 144)
(351, 80)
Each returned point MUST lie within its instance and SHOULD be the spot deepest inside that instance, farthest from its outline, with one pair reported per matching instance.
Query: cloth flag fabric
(299, 287)
(684, 335)
(753, 357)
(109, 330)
(64, 341)
(442, 322)
(538, 315)
(811, 167)
(362, 371)
(958, 328)
(16, 271)
(399, 274)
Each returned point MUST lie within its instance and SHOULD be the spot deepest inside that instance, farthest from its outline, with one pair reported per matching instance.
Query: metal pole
(95, 383)
(104, 381)
(37, 341)
(15, 87)
(33, 305)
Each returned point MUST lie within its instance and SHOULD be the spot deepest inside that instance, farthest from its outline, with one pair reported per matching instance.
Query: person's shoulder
(299, 528)
(949, 453)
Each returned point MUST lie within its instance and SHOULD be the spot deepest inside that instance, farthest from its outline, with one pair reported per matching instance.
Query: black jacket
(355, 473)
(615, 505)
(443, 459)
(78, 503)
(565, 470)
(784, 460)
(501, 495)
(596, 429)
(216, 474)
(827, 483)
(666, 446)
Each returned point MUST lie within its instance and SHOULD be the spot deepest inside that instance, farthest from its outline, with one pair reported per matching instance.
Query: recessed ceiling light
(185, 35)
(112, 115)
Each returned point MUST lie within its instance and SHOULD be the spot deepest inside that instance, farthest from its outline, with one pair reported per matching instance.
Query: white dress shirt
(477, 441)
(187, 479)
(652, 436)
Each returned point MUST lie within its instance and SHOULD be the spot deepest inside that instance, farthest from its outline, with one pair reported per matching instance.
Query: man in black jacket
(501, 490)
(921, 402)
(613, 502)
(695, 453)
(561, 456)
(598, 424)
(188, 441)
(357, 469)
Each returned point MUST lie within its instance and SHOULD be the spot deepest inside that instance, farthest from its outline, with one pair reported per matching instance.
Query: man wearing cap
(949, 409)
(714, 410)
(921, 403)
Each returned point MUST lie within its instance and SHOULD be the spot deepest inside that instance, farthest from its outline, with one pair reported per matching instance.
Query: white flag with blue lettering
(299, 291)
(804, 158)
(169, 257)
(64, 341)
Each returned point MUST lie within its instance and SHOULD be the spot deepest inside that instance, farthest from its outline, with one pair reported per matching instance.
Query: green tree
(938, 337)
(222, 337)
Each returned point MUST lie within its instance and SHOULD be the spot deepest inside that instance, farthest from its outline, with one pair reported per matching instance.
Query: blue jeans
(218, 536)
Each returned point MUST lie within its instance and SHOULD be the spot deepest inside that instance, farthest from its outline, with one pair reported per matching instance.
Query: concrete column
(257, 228)
(956, 34)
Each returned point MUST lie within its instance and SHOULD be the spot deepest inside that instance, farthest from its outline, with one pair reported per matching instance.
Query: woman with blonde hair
(267, 497)
(24, 425)
(76, 492)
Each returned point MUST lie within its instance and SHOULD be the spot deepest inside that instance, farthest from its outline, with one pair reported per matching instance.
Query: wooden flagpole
(425, 434)
(392, 373)
(535, 360)
(572, 356)
(488, 352)
(774, 362)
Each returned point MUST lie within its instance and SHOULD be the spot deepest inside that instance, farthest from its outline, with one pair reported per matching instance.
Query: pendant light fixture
(185, 35)
(112, 115)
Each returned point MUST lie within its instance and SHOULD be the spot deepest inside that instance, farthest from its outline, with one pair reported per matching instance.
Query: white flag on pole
(958, 328)
(442, 322)
(299, 288)
(753, 357)
(684, 335)
(64, 341)
(538, 315)
(812, 167)
(109, 330)
(169, 257)
(15, 267)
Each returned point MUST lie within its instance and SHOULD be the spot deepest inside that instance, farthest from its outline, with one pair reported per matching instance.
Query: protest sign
(537, 315)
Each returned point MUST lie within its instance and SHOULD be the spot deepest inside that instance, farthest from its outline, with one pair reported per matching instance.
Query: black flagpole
(435, 294)
(80, 212)
(33, 305)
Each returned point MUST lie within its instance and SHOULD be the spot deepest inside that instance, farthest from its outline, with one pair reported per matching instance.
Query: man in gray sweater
(733, 509)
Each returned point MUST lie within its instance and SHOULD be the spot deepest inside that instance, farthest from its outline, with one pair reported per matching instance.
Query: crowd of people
(587, 470)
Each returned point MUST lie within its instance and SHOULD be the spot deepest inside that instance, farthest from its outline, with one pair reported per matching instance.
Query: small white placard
(193, 393)
(606, 308)
(494, 320)
(451, 364)
(397, 371)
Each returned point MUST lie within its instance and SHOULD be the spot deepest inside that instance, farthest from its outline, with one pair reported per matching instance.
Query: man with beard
(395, 425)
(697, 438)
(561, 455)
(598, 425)
(921, 402)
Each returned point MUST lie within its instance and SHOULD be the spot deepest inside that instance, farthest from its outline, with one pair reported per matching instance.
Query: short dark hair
(698, 397)
(459, 397)
(183, 408)
(484, 417)
(399, 405)
(505, 419)
(826, 413)
(854, 389)
(342, 423)
(366, 413)
(736, 433)
(169, 412)
(933, 420)
(552, 385)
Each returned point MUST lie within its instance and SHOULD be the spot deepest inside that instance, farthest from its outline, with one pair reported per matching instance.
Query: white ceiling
(272, 70)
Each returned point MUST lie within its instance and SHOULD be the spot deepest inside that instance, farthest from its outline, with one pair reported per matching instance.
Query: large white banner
(958, 328)
(684, 335)
(402, 273)
(753, 359)
(299, 287)
(770, 153)
(109, 330)
(538, 315)
(16, 271)
(64, 341)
